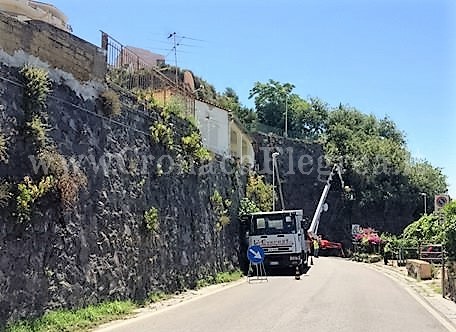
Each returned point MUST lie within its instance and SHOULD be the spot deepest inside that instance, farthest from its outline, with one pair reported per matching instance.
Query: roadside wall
(101, 249)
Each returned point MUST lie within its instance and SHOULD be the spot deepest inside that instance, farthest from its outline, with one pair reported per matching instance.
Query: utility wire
(83, 109)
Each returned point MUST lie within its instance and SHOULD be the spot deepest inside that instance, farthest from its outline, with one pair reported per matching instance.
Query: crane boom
(313, 229)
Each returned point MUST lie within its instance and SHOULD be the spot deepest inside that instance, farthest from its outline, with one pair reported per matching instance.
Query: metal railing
(432, 253)
(127, 70)
(402, 254)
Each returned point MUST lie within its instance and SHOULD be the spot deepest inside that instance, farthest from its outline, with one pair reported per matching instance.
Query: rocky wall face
(100, 248)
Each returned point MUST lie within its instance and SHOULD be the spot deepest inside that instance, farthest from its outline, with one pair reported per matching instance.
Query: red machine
(325, 244)
(331, 248)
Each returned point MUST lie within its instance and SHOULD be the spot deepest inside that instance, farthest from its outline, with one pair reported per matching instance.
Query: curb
(408, 284)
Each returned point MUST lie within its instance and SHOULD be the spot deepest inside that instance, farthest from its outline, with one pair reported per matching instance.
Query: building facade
(213, 124)
(222, 133)
(24, 10)
(241, 146)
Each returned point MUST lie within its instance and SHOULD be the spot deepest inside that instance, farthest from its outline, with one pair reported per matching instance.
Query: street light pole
(286, 116)
(424, 199)
(274, 156)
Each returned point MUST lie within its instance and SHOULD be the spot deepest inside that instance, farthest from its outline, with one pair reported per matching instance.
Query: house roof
(146, 56)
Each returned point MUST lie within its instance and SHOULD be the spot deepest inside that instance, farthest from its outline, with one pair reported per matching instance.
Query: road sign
(255, 254)
(440, 201)
(355, 229)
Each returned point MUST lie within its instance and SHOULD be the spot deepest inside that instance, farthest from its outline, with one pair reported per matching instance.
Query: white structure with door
(222, 133)
(214, 127)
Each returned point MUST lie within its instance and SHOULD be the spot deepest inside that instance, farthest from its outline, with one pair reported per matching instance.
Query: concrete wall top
(57, 47)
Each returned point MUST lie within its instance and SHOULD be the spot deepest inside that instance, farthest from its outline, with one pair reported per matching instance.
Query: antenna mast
(173, 35)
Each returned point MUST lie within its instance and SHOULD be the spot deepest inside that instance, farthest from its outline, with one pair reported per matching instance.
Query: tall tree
(374, 152)
(230, 100)
(426, 178)
(308, 118)
(271, 100)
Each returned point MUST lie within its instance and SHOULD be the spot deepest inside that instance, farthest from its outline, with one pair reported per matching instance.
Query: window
(273, 224)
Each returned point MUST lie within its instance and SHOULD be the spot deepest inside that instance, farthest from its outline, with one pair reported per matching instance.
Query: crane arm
(313, 229)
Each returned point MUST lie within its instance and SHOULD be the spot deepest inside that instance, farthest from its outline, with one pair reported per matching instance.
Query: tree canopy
(378, 165)
(374, 151)
(230, 100)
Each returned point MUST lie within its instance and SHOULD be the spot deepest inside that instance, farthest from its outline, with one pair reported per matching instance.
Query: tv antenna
(173, 36)
(177, 41)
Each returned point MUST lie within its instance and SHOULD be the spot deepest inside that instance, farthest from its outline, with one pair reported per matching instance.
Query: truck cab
(281, 234)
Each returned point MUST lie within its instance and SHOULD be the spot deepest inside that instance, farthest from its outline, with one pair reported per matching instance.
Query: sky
(394, 58)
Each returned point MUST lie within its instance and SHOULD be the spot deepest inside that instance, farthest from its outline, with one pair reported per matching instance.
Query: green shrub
(219, 278)
(37, 86)
(366, 258)
(202, 155)
(193, 147)
(185, 165)
(220, 208)
(163, 134)
(427, 229)
(38, 130)
(246, 207)
(111, 103)
(217, 200)
(259, 192)
(223, 277)
(118, 76)
(29, 193)
(176, 106)
(224, 220)
(191, 143)
(192, 121)
(151, 219)
(158, 296)
(449, 229)
(146, 97)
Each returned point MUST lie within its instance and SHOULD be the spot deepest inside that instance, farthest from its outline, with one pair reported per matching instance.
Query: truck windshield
(272, 224)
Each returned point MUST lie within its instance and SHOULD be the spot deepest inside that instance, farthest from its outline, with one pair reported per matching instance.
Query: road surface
(335, 295)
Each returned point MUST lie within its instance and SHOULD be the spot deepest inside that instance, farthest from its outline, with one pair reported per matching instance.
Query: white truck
(282, 236)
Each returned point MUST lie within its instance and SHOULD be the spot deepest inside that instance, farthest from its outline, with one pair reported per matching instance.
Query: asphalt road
(335, 295)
